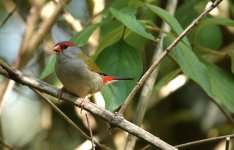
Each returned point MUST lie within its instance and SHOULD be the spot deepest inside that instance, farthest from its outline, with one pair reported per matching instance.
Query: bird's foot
(60, 93)
(84, 101)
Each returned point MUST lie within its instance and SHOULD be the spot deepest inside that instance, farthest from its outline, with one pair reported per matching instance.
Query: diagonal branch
(8, 17)
(164, 54)
(108, 116)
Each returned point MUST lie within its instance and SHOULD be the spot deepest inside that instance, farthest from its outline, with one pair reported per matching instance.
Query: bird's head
(59, 47)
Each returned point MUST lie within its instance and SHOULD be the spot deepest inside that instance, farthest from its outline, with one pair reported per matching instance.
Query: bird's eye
(65, 46)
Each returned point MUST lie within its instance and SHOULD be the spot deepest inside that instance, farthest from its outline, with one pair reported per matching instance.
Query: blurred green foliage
(128, 30)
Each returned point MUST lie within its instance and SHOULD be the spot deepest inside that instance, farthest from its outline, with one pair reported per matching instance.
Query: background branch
(150, 81)
(8, 16)
(41, 32)
(31, 24)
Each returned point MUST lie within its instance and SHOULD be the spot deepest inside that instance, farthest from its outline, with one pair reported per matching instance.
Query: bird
(78, 73)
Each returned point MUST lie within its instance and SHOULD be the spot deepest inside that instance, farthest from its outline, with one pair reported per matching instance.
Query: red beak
(57, 48)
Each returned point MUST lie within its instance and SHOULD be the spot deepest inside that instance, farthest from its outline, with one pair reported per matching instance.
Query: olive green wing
(92, 66)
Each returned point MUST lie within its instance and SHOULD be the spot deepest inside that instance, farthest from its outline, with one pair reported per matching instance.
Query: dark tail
(108, 79)
(119, 78)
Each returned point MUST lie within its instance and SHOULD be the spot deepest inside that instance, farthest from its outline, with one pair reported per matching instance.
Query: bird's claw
(60, 93)
(83, 102)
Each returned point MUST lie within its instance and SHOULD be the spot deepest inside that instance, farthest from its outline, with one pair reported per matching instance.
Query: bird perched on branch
(78, 73)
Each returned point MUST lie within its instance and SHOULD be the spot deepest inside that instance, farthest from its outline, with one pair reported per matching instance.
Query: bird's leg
(84, 101)
(60, 93)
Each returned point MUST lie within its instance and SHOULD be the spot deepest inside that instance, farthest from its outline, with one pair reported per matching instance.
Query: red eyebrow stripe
(69, 43)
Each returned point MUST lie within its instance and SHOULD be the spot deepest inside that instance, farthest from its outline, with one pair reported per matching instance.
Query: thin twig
(90, 132)
(8, 16)
(164, 54)
(210, 51)
(6, 145)
(68, 120)
(93, 17)
(213, 99)
(189, 144)
(223, 110)
(150, 81)
(227, 143)
(110, 117)
(157, 29)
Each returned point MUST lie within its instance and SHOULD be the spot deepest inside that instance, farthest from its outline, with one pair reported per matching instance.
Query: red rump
(107, 79)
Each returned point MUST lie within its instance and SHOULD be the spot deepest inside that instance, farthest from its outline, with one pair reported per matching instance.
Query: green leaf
(129, 10)
(209, 37)
(208, 33)
(215, 82)
(232, 59)
(189, 63)
(130, 21)
(110, 38)
(49, 68)
(82, 37)
(120, 60)
(136, 3)
(135, 40)
(222, 85)
(187, 12)
(170, 20)
(216, 21)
